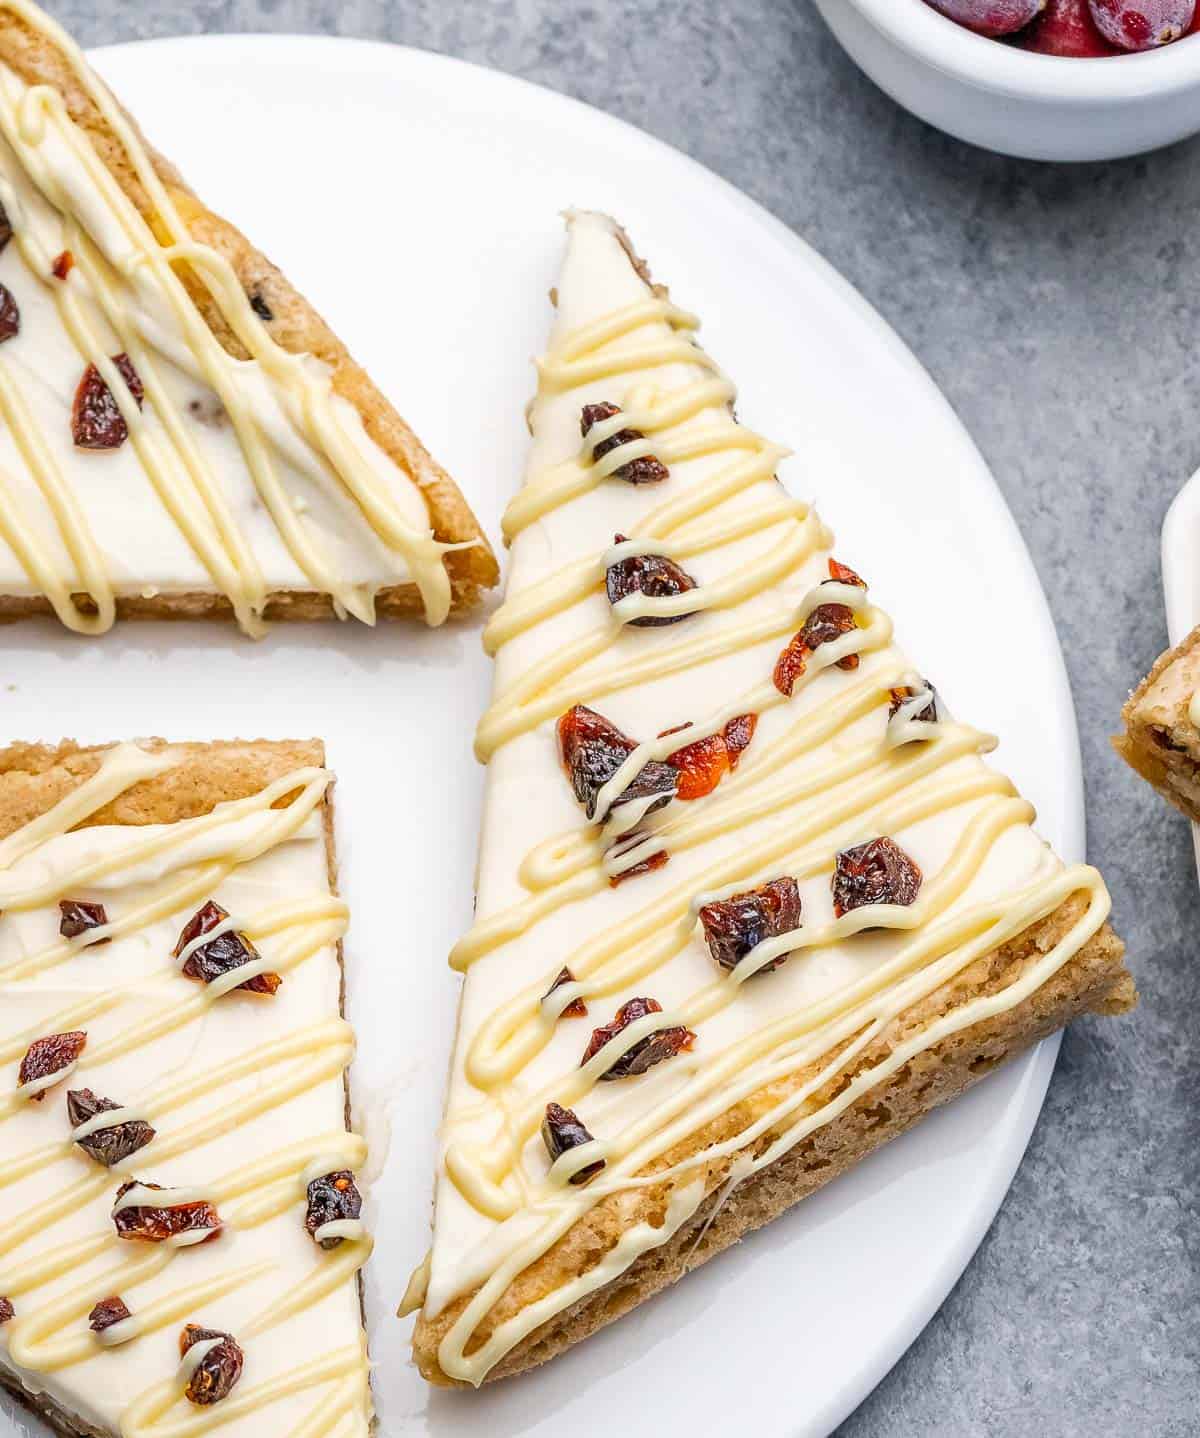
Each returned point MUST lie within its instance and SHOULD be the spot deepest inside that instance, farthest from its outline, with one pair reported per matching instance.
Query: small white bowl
(1038, 107)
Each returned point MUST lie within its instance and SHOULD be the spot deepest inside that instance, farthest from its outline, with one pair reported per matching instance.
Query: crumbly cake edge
(50, 771)
(1173, 771)
(1093, 980)
(296, 326)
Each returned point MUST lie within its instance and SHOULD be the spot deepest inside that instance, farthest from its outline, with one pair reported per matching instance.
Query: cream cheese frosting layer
(243, 476)
(246, 1094)
(825, 770)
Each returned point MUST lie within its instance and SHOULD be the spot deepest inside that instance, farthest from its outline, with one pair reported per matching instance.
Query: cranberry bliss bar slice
(182, 435)
(180, 1229)
(1162, 726)
(750, 900)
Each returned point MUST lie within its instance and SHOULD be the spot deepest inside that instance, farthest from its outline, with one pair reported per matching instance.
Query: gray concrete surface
(1058, 309)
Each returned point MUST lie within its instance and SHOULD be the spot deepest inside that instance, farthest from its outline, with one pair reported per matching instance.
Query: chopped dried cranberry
(218, 1371)
(735, 926)
(843, 574)
(877, 872)
(10, 315)
(576, 1009)
(49, 1055)
(647, 1052)
(592, 751)
(331, 1197)
(901, 696)
(78, 916)
(96, 421)
(653, 575)
(261, 308)
(229, 950)
(106, 1145)
(6, 229)
(63, 264)
(705, 763)
(561, 1132)
(646, 866)
(644, 470)
(7, 1311)
(827, 622)
(107, 1312)
(145, 1223)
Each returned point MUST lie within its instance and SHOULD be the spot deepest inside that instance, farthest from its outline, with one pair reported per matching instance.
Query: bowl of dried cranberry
(1041, 79)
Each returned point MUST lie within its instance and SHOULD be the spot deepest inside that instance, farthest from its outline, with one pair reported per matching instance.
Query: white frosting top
(240, 476)
(824, 771)
(244, 1092)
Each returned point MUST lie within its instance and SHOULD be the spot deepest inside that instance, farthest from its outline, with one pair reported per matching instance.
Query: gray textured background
(1058, 310)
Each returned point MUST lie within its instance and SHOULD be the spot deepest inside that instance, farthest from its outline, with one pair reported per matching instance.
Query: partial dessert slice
(1162, 726)
(182, 435)
(750, 902)
(180, 1218)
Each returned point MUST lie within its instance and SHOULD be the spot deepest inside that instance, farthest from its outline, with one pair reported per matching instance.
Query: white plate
(1181, 574)
(415, 199)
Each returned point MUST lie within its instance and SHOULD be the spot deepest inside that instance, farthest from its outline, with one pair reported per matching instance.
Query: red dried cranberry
(106, 1145)
(10, 315)
(561, 1132)
(646, 866)
(877, 872)
(331, 1197)
(653, 575)
(7, 1311)
(145, 1223)
(218, 1371)
(735, 926)
(826, 623)
(229, 950)
(647, 1052)
(576, 1009)
(78, 916)
(96, 421)
(49, 1055)
(843, 574)
(705, 763)
(107, 1312)
(644, 470)
(592, 751)
(6, 229)
(63, 264)
(901, 696)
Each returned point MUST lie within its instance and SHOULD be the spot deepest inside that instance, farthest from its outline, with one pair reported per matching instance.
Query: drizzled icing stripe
(49, 1335)
(125, 275)
(892, 774)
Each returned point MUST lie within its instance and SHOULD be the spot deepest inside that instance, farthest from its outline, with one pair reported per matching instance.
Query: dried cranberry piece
(106, 1145)
(643, 470)
(107, 1312)
(261, 308)
(904, 693)
(49, 1055)
(144, 1223)
(561, 1132)
(646, 866)
(332, 1197)
(78, 916)
(705, 763)
(7, 1311)
(647, 1052)
(63, 264)
(735, 926)
(592, 750)
(827, 622)
(576, 1009)
(653, 575)
(843, 574)
(96, 422)
(6, 229)
(877, 872)
(10, 315)
(229, 950)
(218, 1371)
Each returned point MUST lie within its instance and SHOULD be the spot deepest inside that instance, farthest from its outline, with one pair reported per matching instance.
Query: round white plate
(1181, 575)
(414, 198)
